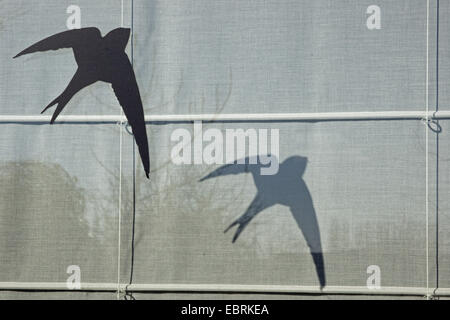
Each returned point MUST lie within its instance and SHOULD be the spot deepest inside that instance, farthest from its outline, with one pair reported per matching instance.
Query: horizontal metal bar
(223, 288)
(238, 117)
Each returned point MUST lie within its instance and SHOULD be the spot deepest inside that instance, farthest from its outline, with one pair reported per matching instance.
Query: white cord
(120, 211)
(236, 117)
(121, 13)
(426, 151)
(120, 184)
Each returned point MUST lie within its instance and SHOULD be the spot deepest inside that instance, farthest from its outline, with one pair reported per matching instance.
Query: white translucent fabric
(364, 181)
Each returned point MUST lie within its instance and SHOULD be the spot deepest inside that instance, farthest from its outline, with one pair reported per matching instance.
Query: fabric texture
(60, 183)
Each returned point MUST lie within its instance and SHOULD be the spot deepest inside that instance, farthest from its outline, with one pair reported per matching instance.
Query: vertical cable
(120, 210)
(437, 151)
(121, 14)
(426, 150)
(134, 154)
(120, 182)
(134, 169)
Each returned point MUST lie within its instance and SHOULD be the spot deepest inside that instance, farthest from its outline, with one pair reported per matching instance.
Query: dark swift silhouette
(100, 59)
(286, 188)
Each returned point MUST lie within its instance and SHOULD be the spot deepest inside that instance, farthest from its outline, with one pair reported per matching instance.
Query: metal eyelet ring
(128, 128)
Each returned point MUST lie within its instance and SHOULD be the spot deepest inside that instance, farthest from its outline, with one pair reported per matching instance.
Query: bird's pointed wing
(240, 166)
(127, 92)
(67, 39)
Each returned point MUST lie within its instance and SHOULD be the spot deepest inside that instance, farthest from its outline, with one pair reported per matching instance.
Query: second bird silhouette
(101, 59)
(287, 188)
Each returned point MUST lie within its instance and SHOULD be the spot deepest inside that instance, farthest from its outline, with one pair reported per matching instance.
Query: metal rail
(236, 117)
(222, 288)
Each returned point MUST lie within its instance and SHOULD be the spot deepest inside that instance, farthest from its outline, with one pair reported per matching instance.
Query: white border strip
(222, 288)
(325, 116)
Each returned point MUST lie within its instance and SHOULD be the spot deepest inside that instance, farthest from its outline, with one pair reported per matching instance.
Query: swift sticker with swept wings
(100, 59)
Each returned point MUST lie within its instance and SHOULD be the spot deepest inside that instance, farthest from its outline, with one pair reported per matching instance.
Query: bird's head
(118, 38)
(296, 163)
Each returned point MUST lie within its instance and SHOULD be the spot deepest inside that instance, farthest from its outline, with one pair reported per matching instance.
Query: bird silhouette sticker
(100, 59)
(287, 188)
